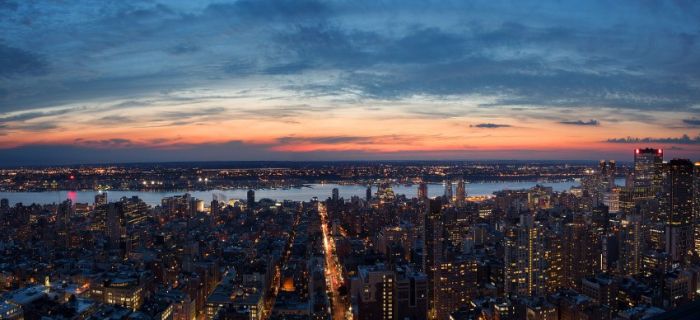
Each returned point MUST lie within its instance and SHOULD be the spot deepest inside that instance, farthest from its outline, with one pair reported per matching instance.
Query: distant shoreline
(299, 186)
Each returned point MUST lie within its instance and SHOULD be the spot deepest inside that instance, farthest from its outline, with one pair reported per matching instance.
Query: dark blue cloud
(270, 9)
(490, 125)
(591, 122)
(330, 140)
(567, 54)
(21, 117)
(174, 115)
(692, 122)
(322, 140)
(121, 150)
(16, 62)
(685, 139)
(183, 48)
(105, 143)
(8, 5)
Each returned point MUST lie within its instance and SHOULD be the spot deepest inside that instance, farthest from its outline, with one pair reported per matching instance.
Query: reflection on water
(72, 195)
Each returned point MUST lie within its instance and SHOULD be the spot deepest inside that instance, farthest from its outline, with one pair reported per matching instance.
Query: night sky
(134, 81)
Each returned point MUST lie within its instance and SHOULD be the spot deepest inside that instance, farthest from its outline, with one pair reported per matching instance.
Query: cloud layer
(560, 54)
(685, 139)
(581, 122)
(305, 73)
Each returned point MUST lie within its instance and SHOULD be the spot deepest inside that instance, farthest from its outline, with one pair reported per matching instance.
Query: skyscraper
(647, 172)
(368, 193)
(378, 292)
(524, 261)
(696, 206)
(63, 216)
(411, 296)
(598, 185)
(422, 191)
(456, 286)
(677, 207)
(373, 293)
(630, 244)
(381, 293)
(592, 187)
(116, 217)
(607, 171)
(214, 208)
(100, 199)
(335, 194)
(461, 193)
(251, 198)
(4, 207)
(432, 252)
(581, 250)
(448, 190)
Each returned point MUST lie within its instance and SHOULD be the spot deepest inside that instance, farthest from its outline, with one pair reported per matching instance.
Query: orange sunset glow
(306, 88)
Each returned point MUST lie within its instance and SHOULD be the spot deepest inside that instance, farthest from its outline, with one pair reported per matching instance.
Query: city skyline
(354, 241)
(350, 160)
(156, 81)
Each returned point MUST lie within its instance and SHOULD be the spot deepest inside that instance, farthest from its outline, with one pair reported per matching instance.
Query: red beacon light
(72, 177)
(636, 151)
(660, 151)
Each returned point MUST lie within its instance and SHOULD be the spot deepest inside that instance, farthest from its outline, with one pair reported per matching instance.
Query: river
(321, 191)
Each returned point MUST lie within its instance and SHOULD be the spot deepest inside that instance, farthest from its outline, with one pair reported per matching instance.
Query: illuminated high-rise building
(100, 199)
(411, 294)
(378, 292)
(696, 206)
(122, 218)
(373, 293)
(456, 286)
(607, 171)
(422, 191)
(116, 217)
(601, 184)
(432, 252)
(554, 257)
(631, 242)
(582, 250)
(647, 172)
(602, 289)
(612, 199)
(63, 215)
(626, 200)
(677, 208)
(592, 188)
(448, 191)
(461, 193)
(525, 266)
(64, 212)
(335, 194)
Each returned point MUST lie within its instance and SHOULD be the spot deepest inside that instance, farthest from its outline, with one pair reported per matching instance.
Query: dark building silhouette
(250, 197)
(433, 246)
(648, 165)
(676, 204)
(422, 191)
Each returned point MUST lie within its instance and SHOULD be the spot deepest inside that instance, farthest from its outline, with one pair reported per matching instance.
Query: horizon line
(309, 161)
